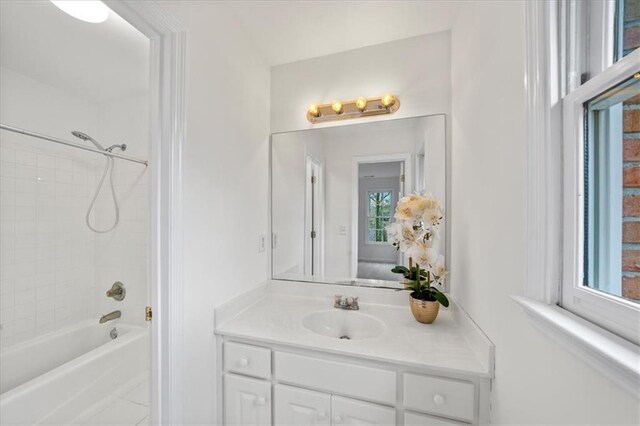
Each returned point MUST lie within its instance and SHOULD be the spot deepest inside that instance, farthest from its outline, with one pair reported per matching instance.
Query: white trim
(543, 157)
(612, 313)
(408, 187)
(552, 69)
(615, 357)
(168, 127)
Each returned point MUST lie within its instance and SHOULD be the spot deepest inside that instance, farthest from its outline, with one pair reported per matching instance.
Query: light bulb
(92, 11)
(314, 110)
(336, 106)
(361, 104)
(387, 100)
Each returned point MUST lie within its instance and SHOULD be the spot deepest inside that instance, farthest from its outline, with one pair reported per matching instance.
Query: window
(378, 215)
(601, 120)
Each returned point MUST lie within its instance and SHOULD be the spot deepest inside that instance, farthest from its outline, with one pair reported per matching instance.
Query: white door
(246, 401)
(301, 407)
(345, 411)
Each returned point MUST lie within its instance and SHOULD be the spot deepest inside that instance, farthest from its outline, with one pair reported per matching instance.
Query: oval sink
(343, 324)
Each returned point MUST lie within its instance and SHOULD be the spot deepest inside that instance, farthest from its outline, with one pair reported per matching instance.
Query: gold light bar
(354, 108)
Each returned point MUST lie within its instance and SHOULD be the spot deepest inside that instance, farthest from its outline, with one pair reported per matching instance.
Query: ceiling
(96, 62)
(289, 31)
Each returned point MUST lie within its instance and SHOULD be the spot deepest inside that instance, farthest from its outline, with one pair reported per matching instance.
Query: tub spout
(110, 316)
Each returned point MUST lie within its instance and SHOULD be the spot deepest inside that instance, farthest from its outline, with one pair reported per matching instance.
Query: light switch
(262, 243)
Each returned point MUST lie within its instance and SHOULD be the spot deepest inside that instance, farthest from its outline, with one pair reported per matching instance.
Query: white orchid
(418, 217)
(439, 268)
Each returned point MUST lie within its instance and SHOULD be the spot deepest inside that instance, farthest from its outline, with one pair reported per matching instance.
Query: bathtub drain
(113, 333)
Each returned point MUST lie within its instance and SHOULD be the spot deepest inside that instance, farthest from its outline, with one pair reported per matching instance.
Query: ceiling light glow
(93, 11)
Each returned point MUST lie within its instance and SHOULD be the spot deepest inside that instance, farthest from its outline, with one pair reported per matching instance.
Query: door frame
(405, 157)
(168, 131)
(318, 216)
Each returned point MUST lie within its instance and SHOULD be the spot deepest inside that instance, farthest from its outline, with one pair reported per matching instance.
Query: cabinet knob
(337, 419)
(261, 400)
(438, 399)
(322, 415)
(243, 362)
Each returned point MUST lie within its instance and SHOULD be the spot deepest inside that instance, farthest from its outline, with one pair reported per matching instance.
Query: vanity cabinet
(264, 385)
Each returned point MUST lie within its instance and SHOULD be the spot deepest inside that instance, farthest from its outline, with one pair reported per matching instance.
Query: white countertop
(273, 313)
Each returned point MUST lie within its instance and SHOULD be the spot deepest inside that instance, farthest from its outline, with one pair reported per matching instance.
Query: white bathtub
(53, 378)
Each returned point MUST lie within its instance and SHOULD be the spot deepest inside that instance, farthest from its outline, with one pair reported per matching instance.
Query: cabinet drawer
(369, 383)
(247, 359)
(415, 419)
(450, 398)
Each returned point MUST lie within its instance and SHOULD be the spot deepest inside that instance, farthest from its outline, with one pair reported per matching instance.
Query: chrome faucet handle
(352, 303)
(337, 301)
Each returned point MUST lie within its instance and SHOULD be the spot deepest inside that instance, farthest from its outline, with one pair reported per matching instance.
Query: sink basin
(343, 324)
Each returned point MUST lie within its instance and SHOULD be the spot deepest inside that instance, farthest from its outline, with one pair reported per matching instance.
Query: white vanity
(288, 357)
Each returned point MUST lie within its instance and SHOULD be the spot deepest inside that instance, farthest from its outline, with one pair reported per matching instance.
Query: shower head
(86, 137)
(122, 147)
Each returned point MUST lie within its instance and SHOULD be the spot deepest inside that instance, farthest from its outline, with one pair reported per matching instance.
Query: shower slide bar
(72, 144)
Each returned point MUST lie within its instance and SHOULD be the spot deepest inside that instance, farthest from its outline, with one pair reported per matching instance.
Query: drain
(345, 338)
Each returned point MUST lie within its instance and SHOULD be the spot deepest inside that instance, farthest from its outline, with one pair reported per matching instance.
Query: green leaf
(440, 297)
(400, 270)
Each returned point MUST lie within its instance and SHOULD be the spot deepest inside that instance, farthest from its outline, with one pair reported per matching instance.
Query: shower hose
(108, 169)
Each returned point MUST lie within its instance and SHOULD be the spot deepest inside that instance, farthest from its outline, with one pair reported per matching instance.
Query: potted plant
(418, 217)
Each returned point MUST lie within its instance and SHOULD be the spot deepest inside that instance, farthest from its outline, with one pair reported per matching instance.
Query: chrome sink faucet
(348, 303)
(110, 316)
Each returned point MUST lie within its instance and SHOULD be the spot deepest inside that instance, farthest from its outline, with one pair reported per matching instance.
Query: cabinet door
(300, 407)
(247, 402)
(346, 411)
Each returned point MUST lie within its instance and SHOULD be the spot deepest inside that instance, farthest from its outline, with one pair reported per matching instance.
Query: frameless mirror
(334, 189)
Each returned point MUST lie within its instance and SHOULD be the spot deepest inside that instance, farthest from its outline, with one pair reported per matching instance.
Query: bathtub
(53, 378)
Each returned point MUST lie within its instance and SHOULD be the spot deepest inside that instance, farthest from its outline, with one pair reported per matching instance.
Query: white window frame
(555, 34)
(393, 197)
(610, 312)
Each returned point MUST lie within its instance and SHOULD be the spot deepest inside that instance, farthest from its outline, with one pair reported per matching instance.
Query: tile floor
(129, 409)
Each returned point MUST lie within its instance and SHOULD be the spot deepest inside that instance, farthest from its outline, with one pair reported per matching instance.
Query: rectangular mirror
(334, 189)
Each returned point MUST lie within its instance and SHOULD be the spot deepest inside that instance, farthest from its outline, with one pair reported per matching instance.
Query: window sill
(614, 356)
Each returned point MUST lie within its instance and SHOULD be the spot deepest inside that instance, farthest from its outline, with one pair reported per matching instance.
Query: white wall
(47, 251)
(55, 271)
(537, 382)
(225, 164)
(417, 70)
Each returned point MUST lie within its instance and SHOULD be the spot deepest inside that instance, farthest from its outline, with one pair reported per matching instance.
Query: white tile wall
(47, 255)
(54, 271)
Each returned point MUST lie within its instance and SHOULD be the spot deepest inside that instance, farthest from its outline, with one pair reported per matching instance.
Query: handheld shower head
(86, 137)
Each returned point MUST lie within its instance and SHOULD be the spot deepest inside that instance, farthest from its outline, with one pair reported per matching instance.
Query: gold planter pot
(424, 311)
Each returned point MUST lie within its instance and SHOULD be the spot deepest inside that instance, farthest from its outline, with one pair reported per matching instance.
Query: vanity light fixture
(355, 108)
(93, 11)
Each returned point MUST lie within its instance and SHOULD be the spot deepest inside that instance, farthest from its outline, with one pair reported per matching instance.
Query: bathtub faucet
(110, 316)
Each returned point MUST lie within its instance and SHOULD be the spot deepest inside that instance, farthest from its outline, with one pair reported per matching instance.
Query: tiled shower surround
(54, 270)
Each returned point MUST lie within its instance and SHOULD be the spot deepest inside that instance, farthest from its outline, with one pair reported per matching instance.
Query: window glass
(612, 191)
(628, 27)
(379, 214)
